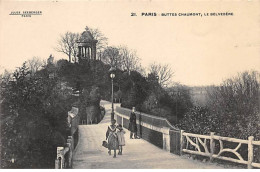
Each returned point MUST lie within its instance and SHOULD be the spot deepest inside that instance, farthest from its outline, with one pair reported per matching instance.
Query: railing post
(70, 153)
(212, 145)
(61, 156)
(181, 141)
(72, 142)
(166, 139)
(57, 164)
(250, 152)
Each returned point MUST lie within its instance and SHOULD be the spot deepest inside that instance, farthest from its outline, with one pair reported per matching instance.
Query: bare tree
(97, 35)
(67, 44)
(112, 57)
(163, 72)
(35, 64)
(129, 60)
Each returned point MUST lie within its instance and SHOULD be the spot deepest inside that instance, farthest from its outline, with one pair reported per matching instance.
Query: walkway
(137, 154)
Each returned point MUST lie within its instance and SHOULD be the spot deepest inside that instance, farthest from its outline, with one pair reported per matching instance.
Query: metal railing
(205, 145)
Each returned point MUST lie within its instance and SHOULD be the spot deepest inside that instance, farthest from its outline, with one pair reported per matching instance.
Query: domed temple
(87, 47)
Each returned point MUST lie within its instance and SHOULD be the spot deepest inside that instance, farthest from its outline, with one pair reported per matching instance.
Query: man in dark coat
(132, 124)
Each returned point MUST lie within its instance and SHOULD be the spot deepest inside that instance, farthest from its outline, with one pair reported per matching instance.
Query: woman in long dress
(111, 137)
(132, 124)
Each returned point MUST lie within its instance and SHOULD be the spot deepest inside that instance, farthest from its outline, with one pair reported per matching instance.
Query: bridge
(137, 154)
(159, 147)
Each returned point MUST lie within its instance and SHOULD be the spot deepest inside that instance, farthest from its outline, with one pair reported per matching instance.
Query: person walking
(121, 138)
(111, 138)
(132, 124)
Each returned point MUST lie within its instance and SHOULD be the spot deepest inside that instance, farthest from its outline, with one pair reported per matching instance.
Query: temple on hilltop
(87, 47)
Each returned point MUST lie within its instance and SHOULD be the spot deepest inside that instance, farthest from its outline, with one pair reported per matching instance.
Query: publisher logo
(26, 13)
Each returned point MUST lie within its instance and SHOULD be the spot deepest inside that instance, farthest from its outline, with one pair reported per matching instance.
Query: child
(121, 138)
(111, 137)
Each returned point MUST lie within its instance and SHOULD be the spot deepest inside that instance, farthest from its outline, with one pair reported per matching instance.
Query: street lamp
(112, 76)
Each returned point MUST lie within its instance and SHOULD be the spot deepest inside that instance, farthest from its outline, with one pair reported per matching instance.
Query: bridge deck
(137, 154)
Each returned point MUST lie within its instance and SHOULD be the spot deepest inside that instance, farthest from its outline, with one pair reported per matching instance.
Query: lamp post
(112, 76)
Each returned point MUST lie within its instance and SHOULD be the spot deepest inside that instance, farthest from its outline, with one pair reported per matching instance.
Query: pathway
(137, 154)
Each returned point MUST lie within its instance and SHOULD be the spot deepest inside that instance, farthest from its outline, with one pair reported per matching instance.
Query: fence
(205, 145)
(65, 154)
(160, 132)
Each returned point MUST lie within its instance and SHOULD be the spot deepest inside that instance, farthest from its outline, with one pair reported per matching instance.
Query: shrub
(198, 120)
(236, 105)
(232, 111)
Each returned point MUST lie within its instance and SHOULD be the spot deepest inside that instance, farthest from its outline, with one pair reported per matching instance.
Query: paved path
(137, 154)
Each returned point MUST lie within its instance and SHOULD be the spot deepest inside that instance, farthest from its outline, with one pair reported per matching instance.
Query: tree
(236, 104)
(134, 90)
(67, 44)
(97, 35)
(164, 73)
(112, 57)
(33, 119)
(122, 58)
(93, 111)
(129, 60)
(35, 64)
(5, 77)
(180, 99)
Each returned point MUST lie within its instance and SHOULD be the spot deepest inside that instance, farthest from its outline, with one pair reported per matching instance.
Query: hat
(119, 126)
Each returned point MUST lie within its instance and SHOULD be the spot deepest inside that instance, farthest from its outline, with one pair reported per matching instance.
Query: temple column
(82, 53)
(85, 51)
(88, 53)
(79, 56)
(90, 49)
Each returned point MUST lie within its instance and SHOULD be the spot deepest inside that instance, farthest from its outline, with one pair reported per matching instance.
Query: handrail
(158, 117)
(230, 139)
(162, 119)
(196, 135)
(197, 143)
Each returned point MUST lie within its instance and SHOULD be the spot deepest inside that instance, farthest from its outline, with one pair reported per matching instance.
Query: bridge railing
(156, 130)
(65, 154)
(205, 145)
(160, 132)
(149, 119)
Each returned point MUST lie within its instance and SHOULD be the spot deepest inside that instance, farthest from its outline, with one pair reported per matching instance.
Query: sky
(200, 50)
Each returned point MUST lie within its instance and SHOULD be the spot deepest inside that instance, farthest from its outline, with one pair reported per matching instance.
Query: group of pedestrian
(115, 134)
(115, 138)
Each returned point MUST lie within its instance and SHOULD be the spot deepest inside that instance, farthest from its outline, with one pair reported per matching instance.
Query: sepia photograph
(135, 84)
